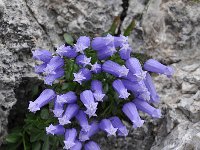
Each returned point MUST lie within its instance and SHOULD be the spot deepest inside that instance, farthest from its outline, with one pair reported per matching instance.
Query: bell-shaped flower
(67, 98)
(84, 136)
(99, 43)
(138, 89)
(58, 108)
(87, 99)
(96, 68)
(134, 87)
(55, 63)
(151, 88)
(91, 145)
(147, 108)
(131, 112)
(70, 112)
(77, 146)
(125, 51)
(45, 97)
(83, 121)
(120, 40)
(107, 127)
(40, 68)
(82, 43)
(83, 74)
(42, 55)
(96, 87)
(144, 95)
(120, 89)
(115, 69)
(82, 60)
(153, 65)
(136, 74)
(117, 123)
(52, 77)
(66, 51)
(70, 138)
(106, 52)
(57, 130)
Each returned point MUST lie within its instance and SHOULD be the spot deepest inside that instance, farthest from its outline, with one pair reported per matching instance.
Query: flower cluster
(129, 80)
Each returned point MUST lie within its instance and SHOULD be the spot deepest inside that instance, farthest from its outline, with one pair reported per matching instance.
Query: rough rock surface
(168, 30)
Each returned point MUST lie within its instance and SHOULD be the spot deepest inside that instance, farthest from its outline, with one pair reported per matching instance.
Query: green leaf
(130, 28)
(36, 136)
(36, 146)
(14, 146)
(68, 39)
(13, 137)
(44, 114)
(46, 143)
(35, 90)
(114, 26)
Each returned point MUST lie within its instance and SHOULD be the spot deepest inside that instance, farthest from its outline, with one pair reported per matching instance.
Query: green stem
(24, 143)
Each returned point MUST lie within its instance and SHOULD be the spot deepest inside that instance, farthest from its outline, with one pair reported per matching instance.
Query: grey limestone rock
(167, 30)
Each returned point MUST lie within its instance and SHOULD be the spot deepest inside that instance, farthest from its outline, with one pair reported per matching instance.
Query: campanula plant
(96, 84)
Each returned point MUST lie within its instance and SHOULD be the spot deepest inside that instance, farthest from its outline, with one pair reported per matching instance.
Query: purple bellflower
(82, 60)
(92, 146)
(40, 68)
(83, 74)
(82, 119)
(77, 146)
(106, 52)
(121, 129)
(70, 112)
(70, 137)
(137, 88)
(96, 87)
(147, 108)
(55, 63)
(52, 77)
(58, 108)
(153, 65)
(136, 73)
(57, 130)
(151, 88)
(125, 51)
(42, 55)
(120, 89)
(87, 99)
(107, 126)
(82, 43)
(144, 95)
(134, 87)
(66, 51)
(131, 112)
(100, 43)
(115, 69)
(45, 97)
(120, 40)
(84, 136)
(68, 98)
(96, 68)
(129, 79)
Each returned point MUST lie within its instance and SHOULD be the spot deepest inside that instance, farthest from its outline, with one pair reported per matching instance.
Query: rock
(73, 16)
(184, 136)
(191, 107)
(168, 31)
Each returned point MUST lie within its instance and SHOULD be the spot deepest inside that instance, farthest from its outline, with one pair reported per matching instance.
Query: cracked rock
(168, 31)
(191, 107)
